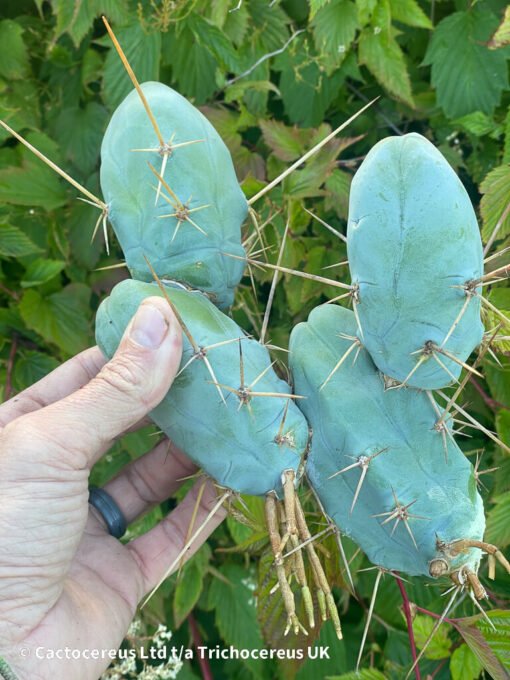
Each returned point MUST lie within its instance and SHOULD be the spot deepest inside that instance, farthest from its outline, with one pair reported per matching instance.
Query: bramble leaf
(466, 74)
(382, 55)
(496, 197)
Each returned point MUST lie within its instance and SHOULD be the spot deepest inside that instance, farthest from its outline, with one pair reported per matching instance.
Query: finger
(149, 480)
(76, 430)
(61, 382)
(156, 550)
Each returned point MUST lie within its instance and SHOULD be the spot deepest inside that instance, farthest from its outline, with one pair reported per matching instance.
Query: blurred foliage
(274, 78)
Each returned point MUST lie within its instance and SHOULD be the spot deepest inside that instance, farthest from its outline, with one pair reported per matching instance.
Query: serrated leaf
(439, 646)
(334, 28)
(410, 13)
(316, 5)
(464, 665)
(215, 41)
(15, 243)
(193, 65)
(506, 152)
(465, 73)
(76, 18)
(31, 367)
(338, 186)
(14, 63)
(365, 10)
(34, 183)
(496, 197)
(187, 591)
(489, 646)
(235, 612)
(477, 123)
(306, 92)
(80, 132)
(498, 526)
(142, 50)
(62, 318)
(284, 142)
(40, 271)
(501, 37)
(382, 55)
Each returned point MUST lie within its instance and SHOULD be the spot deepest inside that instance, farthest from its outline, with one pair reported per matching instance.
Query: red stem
(409, 620)
(489, 401)
(203, 662)
(452, 622)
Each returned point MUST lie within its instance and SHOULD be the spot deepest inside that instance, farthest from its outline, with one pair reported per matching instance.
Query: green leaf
(316, 5)
(77, 18)
(365, 10)
(466, 74)
(80, 133)
(210, 37)
(464, 665)
(306, 91)
(382, 55)
(489, 646)
(439, 647)
(34, 183)
(193, 65)
(506, 153)
(496, 197)
(410, 13)
(62, 318)
(501, 37)
(40, 271)
(15, 243)
(235, 611)
(187, 591)
(498, 526)
(142, 50)
(14, 63)
(31, 367)
(334, 28)
(284, 142)
(477, 123)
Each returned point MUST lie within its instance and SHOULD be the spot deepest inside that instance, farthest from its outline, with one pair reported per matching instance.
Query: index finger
(60, 383)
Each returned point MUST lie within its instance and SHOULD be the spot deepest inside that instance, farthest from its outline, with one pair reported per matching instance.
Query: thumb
(130, 385)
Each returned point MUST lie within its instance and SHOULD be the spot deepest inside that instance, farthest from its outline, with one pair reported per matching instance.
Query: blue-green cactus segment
(244, 447)
(199, 174)
(413, 245)
(354, 416)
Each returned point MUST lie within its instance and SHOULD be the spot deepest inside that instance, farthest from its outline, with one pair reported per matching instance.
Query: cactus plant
(187, 234)
(416, 260)
(377, 453)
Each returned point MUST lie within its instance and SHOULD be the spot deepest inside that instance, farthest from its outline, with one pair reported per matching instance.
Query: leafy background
(273, 78)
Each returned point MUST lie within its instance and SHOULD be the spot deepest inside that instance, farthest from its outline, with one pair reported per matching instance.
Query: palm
(66, 583)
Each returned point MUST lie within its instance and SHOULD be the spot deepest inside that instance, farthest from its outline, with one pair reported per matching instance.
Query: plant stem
(409, 621)
(452, 622)
(489, 401)
(203, 662)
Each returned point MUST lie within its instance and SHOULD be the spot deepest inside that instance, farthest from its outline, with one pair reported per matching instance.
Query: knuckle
(122, 374)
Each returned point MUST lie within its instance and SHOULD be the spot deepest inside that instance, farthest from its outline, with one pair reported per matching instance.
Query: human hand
(64, 581)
